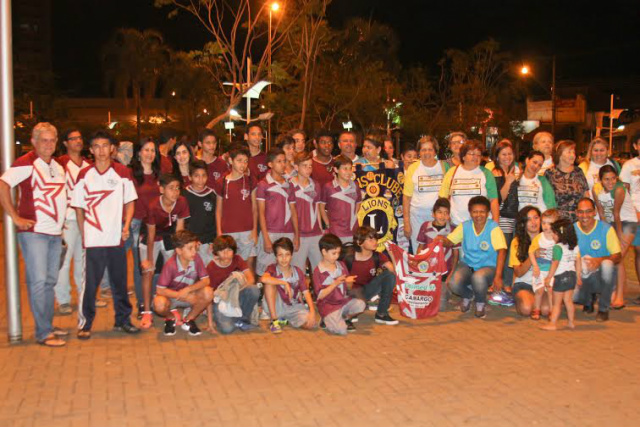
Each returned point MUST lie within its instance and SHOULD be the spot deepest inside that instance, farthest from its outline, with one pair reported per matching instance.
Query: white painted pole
(611, 127)
(7, 138)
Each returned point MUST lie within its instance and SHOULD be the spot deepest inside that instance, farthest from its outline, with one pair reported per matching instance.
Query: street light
(526, 70)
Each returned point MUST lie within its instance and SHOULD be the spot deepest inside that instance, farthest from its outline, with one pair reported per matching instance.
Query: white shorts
(309, 249)
(246, 247)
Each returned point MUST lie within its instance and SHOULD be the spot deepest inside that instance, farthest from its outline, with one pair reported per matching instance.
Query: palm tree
(133, 60)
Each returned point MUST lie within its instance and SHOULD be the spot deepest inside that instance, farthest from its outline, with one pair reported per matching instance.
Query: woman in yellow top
(597, 156)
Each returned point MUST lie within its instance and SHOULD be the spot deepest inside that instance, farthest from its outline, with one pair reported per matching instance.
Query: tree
(133, 60)
(236, 28)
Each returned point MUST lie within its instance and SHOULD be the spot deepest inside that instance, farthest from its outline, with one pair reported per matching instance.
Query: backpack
(348, 255)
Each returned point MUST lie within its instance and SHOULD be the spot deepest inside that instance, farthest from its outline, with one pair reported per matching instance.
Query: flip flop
(84, 335)
(52, 341)
(617, 307)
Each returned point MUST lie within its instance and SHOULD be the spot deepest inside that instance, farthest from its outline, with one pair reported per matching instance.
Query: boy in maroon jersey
(276, 210)
(216, 166)
(331, 282)
(183, 284)
(307, 196)
(373, 271)
(258, 159)
(236, 206)
(226, 261)
(285, 288)
(322, 160)
(165, 215)
(341, 201)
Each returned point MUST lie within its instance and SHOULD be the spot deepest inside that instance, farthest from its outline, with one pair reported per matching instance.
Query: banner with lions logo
(418, 280)
(381, 206)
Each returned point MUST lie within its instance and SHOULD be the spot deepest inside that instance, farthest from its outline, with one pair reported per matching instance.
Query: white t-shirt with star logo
(102, 196)
(43, 197)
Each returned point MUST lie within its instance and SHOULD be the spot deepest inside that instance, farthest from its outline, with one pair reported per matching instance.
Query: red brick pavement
(450, 371)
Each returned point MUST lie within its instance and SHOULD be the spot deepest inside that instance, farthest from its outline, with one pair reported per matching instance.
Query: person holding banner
(372, 155)
(468, 180)
(484, 250)
(422, 182)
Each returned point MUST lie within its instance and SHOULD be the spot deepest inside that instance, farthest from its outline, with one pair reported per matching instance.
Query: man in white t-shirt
(543, 142)
(39, 218)
(104, 200)
(630, 176)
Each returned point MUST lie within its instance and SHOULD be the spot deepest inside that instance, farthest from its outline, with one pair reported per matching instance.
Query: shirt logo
(44, 195)
(262, 168)
(245, 193)
(595, 245)
(93, 199)
(484, 245)
(216, 175)
(208, 206)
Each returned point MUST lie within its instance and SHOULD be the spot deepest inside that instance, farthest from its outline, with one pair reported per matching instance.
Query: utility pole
(553, 97)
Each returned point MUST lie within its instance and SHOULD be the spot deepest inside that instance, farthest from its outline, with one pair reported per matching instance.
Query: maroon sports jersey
(341, 207)
(307, 200)
(175, 277)
(338, 297)
(147, 191)
(215, 170)
(366, 270)
(237, 214)
(258, 166)
(166, 220)
(322, 172)
(165, 164)
(277, 198)
(218, 274)
(296, 281)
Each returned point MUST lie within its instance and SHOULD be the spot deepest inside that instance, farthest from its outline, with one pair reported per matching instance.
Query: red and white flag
(418, 280)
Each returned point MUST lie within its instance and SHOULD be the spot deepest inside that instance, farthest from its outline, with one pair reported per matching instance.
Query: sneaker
(372, 306)
(59, 332)
(322, 325)
(101, 303)
(465, 307)
(84, 334)
(169, 327)
(283, 322)
(481, 313)
(65, 309)
(191, 327)
(275, 327)
(127, 328)
(140, 311)
(385, 319)
(264, 315)
(244, 326)
(354, 319)
(602, 316)
(501, 298)
(350, 326)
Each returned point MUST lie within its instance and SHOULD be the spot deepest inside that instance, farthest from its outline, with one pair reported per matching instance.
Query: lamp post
(274, 7)
(526, 70)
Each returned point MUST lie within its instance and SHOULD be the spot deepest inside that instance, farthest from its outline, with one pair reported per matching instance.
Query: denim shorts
(629, 227)
(564, 282)
(521, 286)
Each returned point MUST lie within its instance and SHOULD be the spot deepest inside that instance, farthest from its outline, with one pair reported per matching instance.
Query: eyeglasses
(73, 138)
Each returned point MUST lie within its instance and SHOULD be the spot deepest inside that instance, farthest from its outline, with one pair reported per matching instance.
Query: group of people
(247, 234)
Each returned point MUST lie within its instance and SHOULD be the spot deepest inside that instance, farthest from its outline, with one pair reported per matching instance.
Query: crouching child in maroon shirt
(183, 283)
(331, 282)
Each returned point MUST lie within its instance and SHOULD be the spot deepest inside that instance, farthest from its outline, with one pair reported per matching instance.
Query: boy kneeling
(284, 285)
(331, 283)
(183, 284)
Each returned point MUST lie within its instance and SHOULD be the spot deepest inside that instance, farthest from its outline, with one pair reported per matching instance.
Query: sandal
(84, 334)
(535, 314)
(147, 320)
(52, 341)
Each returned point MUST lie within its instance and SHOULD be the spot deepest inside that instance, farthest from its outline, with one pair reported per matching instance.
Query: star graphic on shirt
(93, 199)
(44, 195)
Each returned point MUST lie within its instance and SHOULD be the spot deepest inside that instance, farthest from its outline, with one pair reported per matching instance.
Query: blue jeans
(248, 299)
(382, 285)
(133, 242)
(602, 282)
(469, 283)
(41, 254)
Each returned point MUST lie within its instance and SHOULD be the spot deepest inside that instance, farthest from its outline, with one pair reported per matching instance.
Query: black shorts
(521, 286)
(564, 282)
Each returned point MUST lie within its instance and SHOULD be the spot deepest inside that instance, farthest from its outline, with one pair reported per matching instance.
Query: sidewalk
(450, 371)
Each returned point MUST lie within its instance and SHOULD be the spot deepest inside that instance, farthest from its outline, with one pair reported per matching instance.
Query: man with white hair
(39, 218)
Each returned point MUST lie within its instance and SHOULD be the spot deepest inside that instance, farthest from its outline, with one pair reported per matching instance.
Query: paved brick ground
(450, 371)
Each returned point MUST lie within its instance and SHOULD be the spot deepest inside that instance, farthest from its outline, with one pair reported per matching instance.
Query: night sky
(592, 40)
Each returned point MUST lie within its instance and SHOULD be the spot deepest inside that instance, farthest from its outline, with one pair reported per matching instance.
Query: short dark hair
(238, 150)
(223, 242)
(183, 237)
(479, 200)
(534, 153)
(296, 131)
(560, 147)
(442, 203)
(284, 140)
(406, 147)
(284, 243)
(273, 153)
(197, 165)
(324, 133)
(586, 199)
(635, 139)
(302, 156)
(166, 134)
(341, 161)
(102, 134)
(606, 169)
(350, 132)
(167, 178)
(329, 241)
(67, 132)
(469, 145)
(253, 125)
(361, 234)
(205, 133)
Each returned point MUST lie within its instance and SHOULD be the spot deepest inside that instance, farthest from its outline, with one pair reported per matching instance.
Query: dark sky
(592, 40)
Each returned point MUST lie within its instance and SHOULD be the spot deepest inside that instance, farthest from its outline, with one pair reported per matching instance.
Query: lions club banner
(418, 280)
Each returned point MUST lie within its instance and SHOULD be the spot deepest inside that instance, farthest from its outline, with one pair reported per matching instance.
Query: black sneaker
(127, 328)
(602, 316)
(169, 327)
(588, 309)
(140, 311)
(322, 325)
(192, 328)
(350, 326)
(385, 319)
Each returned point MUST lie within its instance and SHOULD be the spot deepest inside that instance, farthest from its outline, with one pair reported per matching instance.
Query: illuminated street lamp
(526, 71)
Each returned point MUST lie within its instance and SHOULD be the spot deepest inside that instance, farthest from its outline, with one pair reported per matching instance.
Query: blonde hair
(539, 136)
(428, 139)
(594, 141)
(551, 213)
(43, 127)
